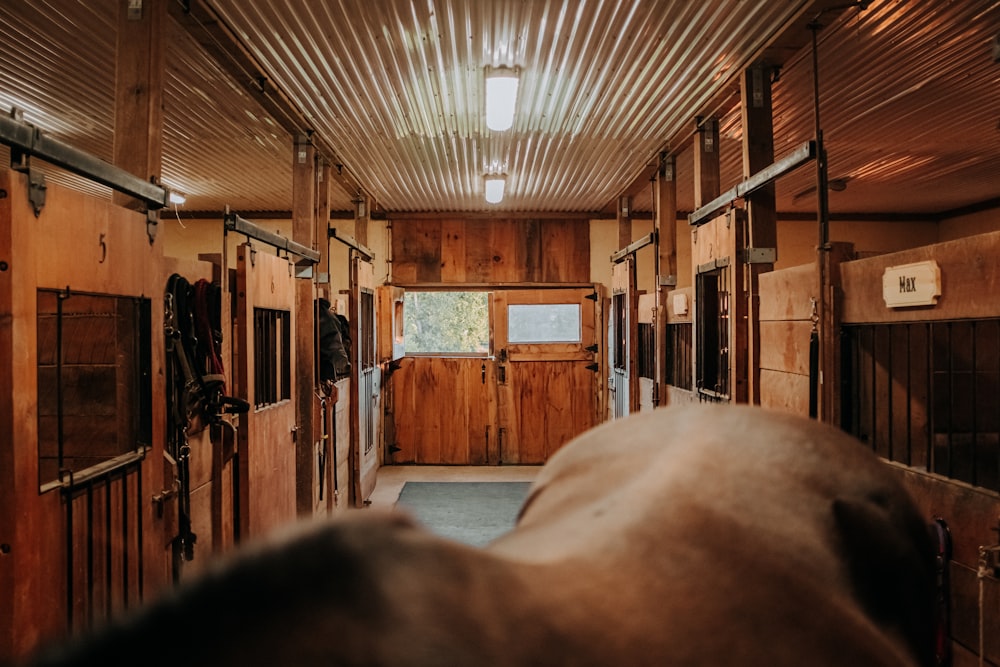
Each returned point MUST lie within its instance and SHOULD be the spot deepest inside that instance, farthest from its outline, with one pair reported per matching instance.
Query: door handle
(484, 382)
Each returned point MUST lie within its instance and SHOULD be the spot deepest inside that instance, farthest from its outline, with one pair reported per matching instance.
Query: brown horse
(687, 536)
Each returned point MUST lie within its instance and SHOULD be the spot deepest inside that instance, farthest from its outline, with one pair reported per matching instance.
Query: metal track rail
(27, 140)
(235, 223)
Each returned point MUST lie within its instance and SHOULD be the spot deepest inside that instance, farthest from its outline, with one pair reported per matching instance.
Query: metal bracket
(667, 281)
(761, 255)
(152, 224)
(719, 263)
(21, 161)
(36, 190)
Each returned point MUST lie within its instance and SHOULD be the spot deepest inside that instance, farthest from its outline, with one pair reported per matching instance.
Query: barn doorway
(518, 381)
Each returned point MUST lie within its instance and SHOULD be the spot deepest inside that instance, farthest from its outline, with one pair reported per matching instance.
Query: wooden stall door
(622, 339)
(545, 342)
(265, 326)
(720, 309)
(367, 378)
(445, 411)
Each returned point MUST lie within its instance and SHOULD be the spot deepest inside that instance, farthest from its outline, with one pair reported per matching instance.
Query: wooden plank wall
(969, 513)
(970, 275)
(89, 245)
(456, 251)
(785, 327)
(341, 447)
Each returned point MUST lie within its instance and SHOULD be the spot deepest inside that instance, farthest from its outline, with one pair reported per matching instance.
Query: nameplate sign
(906, 285)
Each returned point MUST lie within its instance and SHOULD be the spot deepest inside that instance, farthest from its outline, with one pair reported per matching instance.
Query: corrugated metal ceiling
(909, 91)
(603, 84)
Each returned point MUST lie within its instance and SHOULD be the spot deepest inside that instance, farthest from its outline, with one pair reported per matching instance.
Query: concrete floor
(391, 479)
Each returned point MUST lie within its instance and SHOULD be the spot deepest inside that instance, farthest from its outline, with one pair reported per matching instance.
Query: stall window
(925, 394)
(620, 329)
(94, 387)
(713, 334)
(272, 356)
(647, 351)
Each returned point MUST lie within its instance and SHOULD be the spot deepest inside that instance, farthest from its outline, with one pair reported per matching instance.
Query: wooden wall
(88, 245)
(786, 298)
(970, 276)
(492, 251)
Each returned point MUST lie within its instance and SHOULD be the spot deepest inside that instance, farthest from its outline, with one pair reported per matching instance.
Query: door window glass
(543, 323)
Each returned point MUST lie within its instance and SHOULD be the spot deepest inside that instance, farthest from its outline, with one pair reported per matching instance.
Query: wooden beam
(665, 224)
(624, 214)
(665, 221)
(758, 154)
(362, 214)
(304, 233)
(304, 192)
(138, 136)
(322, 233)
(706, 162)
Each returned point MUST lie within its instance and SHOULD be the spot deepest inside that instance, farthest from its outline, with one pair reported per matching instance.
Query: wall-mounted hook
(104, 248)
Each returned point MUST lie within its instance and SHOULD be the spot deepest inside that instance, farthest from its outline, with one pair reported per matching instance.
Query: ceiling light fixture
(176, 198)
(501, 96)
(494, 187)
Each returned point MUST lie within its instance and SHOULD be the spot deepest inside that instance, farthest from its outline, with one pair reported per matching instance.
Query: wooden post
(362, 214)
(758, 153)
(324, 410)
(138, 136)
(624, 215)
(830, 398)
(706, 188)
(324, 176)
(303, 231)
(666, 271)
(706, 162)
